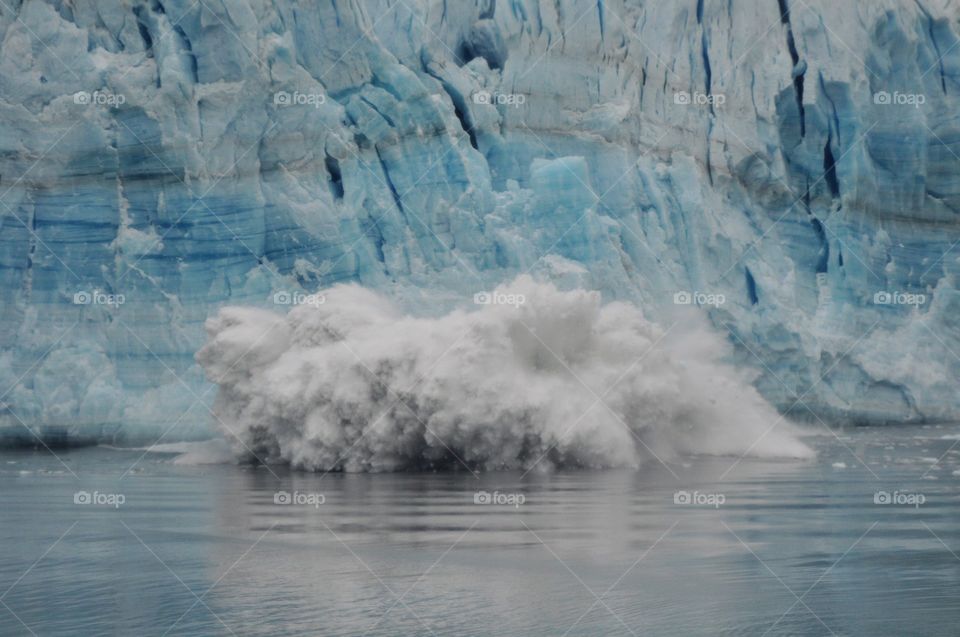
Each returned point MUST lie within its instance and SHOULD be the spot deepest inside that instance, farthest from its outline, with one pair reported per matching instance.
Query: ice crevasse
(791, 170)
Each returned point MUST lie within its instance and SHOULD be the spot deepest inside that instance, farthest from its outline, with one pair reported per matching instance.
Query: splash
(535, 377)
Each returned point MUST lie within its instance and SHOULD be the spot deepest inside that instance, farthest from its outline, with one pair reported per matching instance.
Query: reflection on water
(776, 548)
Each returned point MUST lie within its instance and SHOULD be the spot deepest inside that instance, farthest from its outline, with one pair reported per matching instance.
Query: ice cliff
(791, 166)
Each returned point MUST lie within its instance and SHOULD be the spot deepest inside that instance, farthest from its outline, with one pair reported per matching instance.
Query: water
(204, 549)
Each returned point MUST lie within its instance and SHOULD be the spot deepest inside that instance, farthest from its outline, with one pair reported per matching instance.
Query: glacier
(163, 162)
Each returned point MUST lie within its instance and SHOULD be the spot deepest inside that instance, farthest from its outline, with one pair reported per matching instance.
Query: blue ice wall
(158, 160)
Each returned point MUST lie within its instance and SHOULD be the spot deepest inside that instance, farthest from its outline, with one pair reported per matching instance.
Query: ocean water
(102, 541)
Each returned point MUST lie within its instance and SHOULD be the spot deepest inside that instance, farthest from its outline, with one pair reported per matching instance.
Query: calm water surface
(773, 548)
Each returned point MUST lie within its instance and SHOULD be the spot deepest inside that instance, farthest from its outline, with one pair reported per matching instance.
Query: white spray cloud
(558, 380)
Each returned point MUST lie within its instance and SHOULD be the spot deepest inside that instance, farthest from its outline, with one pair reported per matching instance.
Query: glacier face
(797, 160)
